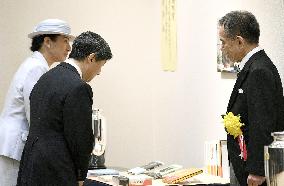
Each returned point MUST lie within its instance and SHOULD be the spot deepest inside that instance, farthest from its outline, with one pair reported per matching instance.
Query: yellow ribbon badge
(233, 124)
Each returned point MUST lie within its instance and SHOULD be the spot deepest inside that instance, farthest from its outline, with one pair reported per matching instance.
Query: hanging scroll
(169, 36)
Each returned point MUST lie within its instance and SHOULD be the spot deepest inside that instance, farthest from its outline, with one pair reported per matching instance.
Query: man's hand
(254, 180)
(80, 183)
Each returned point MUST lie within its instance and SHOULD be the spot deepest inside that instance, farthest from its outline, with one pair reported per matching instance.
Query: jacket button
(24, 136)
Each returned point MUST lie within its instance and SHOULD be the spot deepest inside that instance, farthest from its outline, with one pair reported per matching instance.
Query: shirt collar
(72, 62)
(38, 55)
(248, 56)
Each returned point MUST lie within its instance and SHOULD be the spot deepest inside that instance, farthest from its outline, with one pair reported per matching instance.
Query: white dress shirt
(15, 117)
(71, 62)
(248, 56)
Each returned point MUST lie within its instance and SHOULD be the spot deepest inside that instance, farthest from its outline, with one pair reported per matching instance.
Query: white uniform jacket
(14, 119)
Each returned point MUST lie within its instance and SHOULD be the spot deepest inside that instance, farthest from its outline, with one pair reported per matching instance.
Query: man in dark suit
(257, 96)
(60, 140)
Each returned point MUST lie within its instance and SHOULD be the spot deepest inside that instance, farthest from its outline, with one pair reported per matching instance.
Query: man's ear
(92, 57)
(241, 41)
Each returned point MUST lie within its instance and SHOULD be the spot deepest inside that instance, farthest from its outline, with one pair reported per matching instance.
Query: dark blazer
(258, 98)
(60, 140)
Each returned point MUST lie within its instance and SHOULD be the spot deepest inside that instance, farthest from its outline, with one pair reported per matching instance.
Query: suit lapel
(241, 77)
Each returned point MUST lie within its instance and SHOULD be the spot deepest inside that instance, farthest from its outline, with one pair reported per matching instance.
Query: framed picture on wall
(223, 63)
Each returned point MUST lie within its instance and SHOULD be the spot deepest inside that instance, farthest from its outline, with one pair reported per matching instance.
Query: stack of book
(216, 158)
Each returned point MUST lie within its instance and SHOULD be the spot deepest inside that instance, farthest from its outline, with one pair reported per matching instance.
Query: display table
(201, 179)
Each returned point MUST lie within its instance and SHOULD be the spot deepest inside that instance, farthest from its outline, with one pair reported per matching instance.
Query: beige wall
(151, 114)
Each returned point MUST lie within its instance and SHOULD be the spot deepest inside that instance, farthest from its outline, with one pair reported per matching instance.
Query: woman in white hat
(50, 43)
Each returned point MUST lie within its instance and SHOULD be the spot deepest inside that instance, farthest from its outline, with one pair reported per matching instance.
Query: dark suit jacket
(60, 139)
(258, 98)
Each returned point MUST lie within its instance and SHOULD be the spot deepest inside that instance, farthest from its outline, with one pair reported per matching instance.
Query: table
(201, 179)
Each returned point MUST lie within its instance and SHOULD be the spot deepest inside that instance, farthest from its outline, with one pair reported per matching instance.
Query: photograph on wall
(223, 63)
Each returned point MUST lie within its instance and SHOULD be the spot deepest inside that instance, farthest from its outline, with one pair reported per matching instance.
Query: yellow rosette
(233, 124)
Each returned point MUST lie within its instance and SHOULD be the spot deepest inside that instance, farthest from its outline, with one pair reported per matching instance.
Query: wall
(151, 114)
